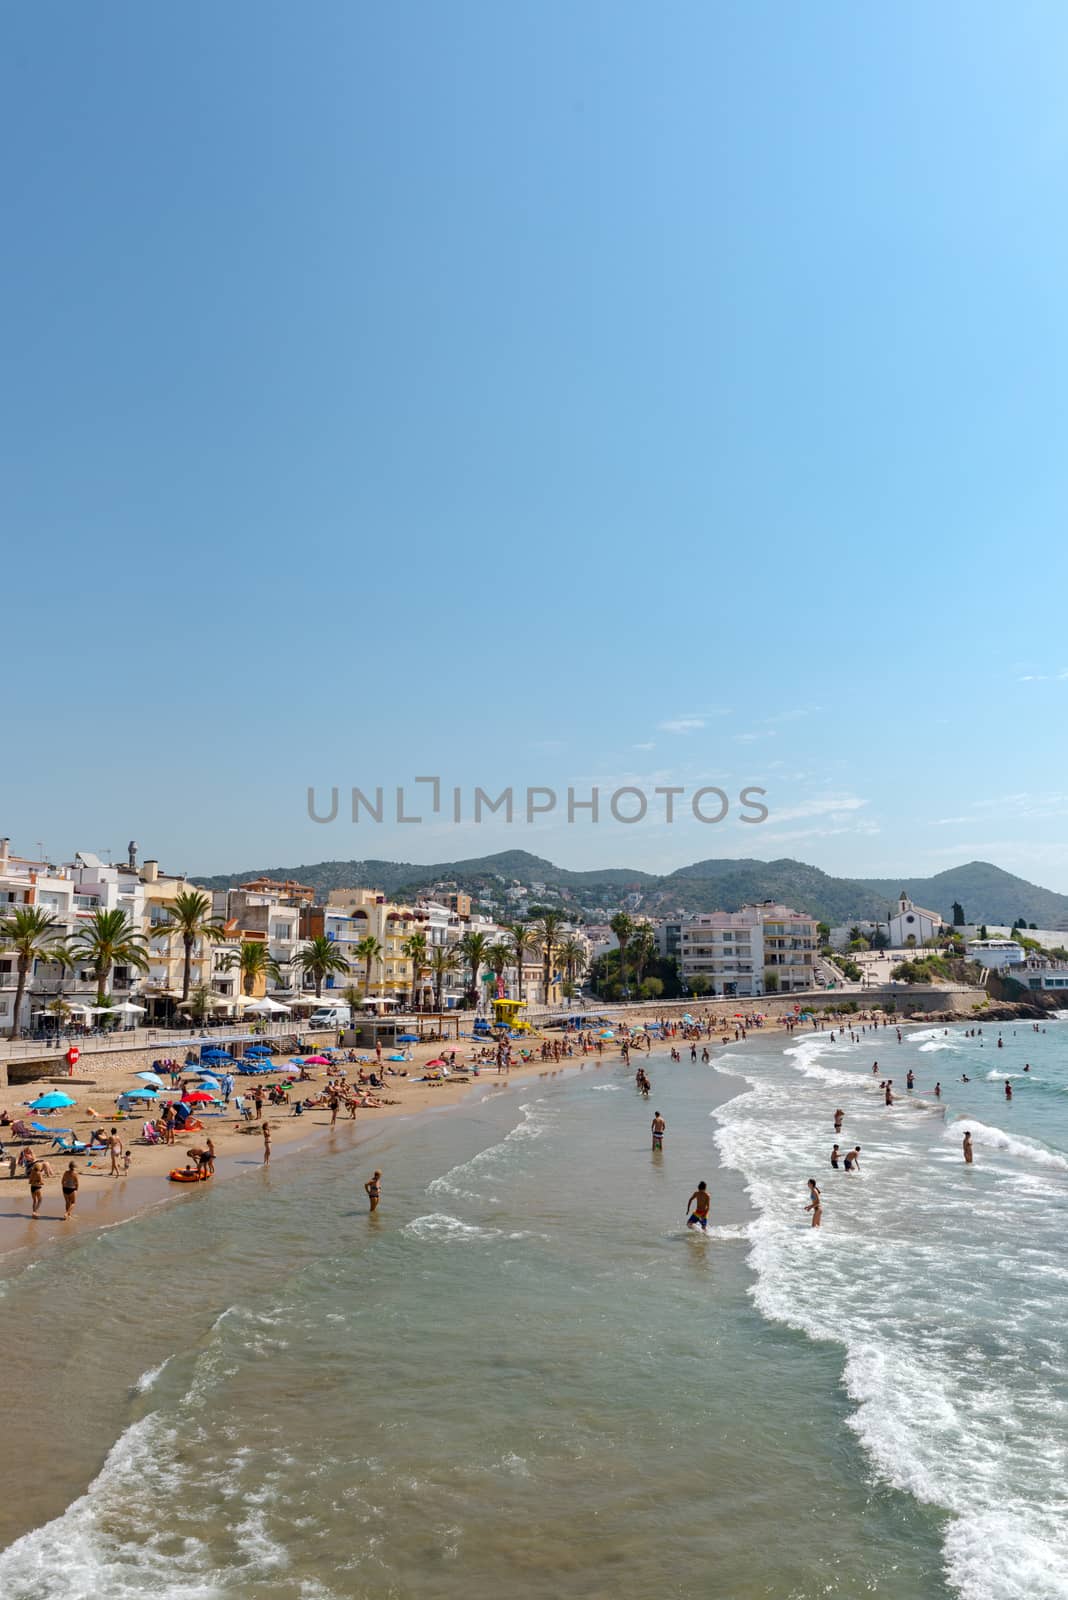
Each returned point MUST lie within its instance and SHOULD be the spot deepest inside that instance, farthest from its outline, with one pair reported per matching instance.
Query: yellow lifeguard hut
(506, 1015)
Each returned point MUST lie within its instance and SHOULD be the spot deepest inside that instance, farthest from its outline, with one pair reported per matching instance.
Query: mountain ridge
(987, 892)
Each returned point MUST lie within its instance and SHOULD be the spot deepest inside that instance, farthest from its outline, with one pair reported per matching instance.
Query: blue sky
(536, 394)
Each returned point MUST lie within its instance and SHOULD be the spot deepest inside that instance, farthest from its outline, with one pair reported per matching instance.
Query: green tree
(623, 928)
(958, 914)
(200, 1003)
(319, 959)
(521, 940)
(573, 955)
(771, 981)
(189, 918)
(642, 951)
(699, 985)
(109, 939)
(33, 935)
(474, 947)
(823, 932)
(651, 988)
(415, 950)
(253, 961)
(546, 931)
(368, 950)
(444, 960)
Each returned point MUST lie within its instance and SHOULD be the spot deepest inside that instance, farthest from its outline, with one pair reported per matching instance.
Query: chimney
(150, 872)
(5, 852)
(132, 848)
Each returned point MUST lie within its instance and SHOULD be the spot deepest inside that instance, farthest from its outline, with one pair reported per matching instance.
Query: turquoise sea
(524, 1375)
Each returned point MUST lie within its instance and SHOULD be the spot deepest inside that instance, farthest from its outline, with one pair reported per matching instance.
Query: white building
(1041, 974)
(754, 951)
(911, 924)
(995, 953)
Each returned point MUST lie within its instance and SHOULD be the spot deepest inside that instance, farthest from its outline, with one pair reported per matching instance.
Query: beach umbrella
(316, 1061)
(150, 1077)
(407, 1038)
(139, 1094)
(50, 1102)
(197, 1096)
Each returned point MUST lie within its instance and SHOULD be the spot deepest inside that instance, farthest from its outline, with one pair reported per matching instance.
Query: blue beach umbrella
(139, 1094)
(50, 1102)
(407, 1038)
(150, 1077)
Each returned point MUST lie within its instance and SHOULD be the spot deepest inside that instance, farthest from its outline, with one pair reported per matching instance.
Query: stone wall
(95, 1066)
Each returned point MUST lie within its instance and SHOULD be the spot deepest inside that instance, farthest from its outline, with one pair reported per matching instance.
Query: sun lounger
(25, 1130)
(70, 1147)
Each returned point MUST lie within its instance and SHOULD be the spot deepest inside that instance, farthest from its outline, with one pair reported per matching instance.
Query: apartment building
(757, 950)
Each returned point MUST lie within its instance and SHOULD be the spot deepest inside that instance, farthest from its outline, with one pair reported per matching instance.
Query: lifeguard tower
(506, 1014)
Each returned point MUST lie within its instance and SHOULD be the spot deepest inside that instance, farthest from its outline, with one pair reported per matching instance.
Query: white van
(333, 1016)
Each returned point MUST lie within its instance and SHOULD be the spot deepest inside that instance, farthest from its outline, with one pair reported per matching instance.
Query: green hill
(986, 892)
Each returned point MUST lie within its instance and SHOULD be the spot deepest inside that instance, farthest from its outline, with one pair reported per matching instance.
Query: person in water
(838, 1116)
(910, 1080)
(697, 1205)
(967, 1149)
(815, 1203)
(1008, 1089)
(658, 1127)
(852, 1159)
(834, 1158)
(373, 1189)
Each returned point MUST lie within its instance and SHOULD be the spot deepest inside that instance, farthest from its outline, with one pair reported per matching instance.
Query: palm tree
(521, 937)
(572, 954)
(643, 949)
(444, 959)
(546, 931)
(368, 951)
(497, 958)
(189, 918)
(34, 935)
(352, 998)
(623, 928)
(253, 961)
(319, 959)
(473, 948)
(200, 1003)
(415, 949)
(109, 939)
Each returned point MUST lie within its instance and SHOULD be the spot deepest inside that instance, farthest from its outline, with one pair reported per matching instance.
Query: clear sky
(536, 393)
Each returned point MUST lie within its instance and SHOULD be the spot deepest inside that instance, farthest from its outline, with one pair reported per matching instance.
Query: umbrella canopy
(128, 1005)
(139, 1094)
(316, 1061)
(205, 1079)
(150, 1077)
(407, 1038)
(197, 1096)
(266, 1004)
(50, 1102)
(308, 1000)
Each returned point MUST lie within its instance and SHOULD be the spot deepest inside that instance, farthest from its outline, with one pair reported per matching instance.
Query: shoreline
(115, 1201)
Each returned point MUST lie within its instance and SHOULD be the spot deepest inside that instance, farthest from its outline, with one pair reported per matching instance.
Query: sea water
(524, 1375)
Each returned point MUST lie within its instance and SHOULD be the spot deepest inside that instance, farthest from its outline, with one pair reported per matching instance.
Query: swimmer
(373, 1189)
(967, 1147)
(852, 1159)
(834, 1158)
(658, 1127)
(815, 1203)
(1008, 1089)
(697, 1206)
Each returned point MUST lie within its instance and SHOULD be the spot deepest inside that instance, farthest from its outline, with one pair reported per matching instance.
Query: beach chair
(69, 1147)
(241, 1105)
(21, 1129)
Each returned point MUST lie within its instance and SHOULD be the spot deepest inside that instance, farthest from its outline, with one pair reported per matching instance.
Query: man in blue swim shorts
(697, 1205)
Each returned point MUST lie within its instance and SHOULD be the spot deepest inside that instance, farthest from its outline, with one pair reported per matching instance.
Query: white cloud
(650, 745)
(690, 721)
(826, 805)
(751, 738)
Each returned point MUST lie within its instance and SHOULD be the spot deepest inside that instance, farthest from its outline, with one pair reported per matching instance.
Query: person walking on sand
(658, 1127)
(70, 1190)
(815, 1203)
(967, 1147)
(698, 1205)
(373, 1190)
(36, 1177)
(266, 1144)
